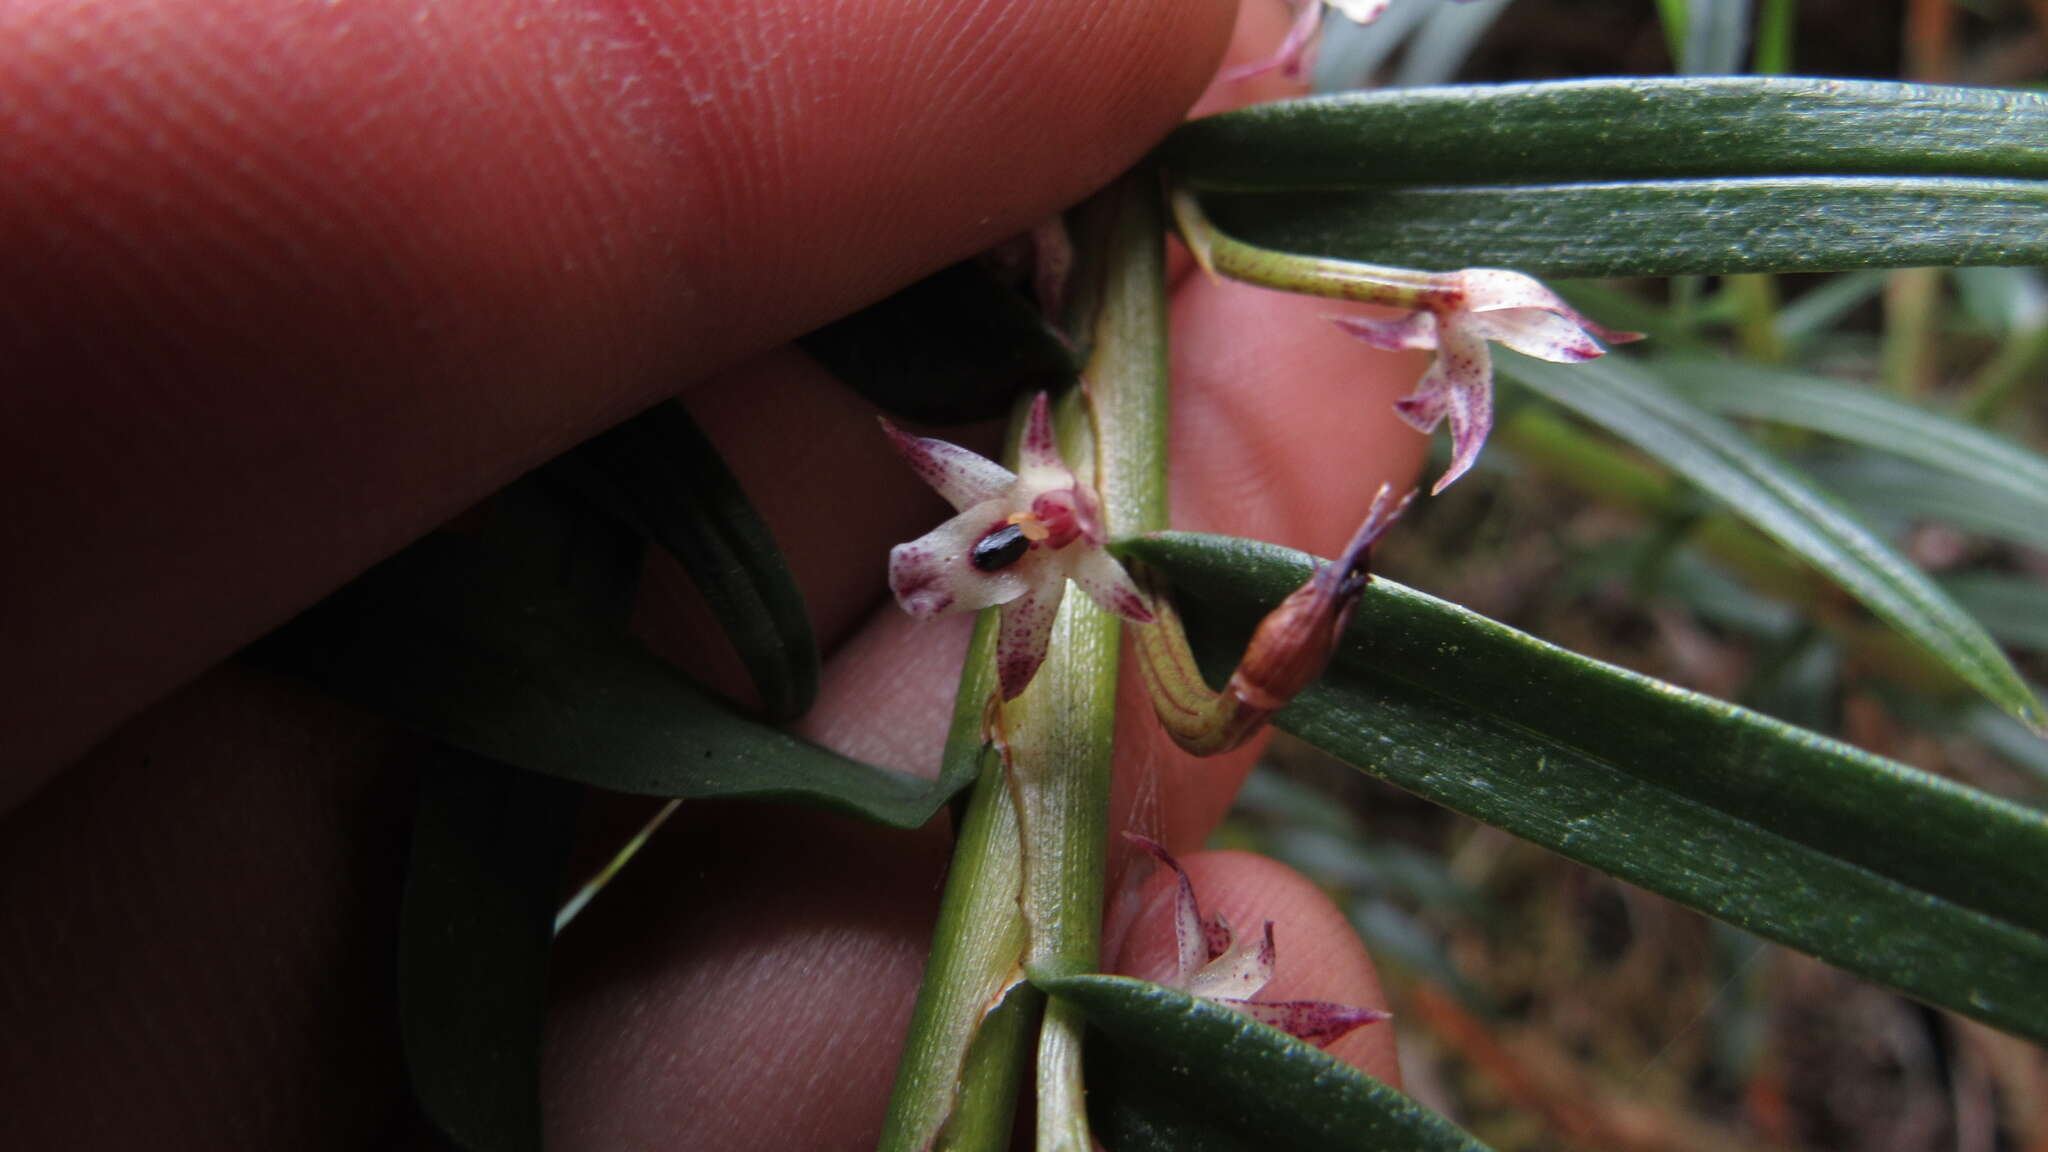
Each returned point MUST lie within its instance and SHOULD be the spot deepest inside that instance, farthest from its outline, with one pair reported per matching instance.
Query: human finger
(291, 283)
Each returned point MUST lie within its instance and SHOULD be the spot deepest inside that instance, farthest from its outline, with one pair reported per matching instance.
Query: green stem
(1060, 729)
(1756, 316)
(1027, 878)
(1776, 23)
(1224, 255)
(956, 1081)
(1911, 296)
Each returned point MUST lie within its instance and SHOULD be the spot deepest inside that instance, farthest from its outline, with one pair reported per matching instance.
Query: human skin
(289, 284)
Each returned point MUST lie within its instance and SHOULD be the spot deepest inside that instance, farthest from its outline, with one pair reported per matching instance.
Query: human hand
(464, 243)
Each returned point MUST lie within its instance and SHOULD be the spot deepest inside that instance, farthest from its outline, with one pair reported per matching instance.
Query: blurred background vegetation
(1543, 1005)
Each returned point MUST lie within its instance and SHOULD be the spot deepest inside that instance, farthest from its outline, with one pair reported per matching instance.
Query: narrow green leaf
(1624, 399)
(2013, 608)
(1634, 176)
(1892, 493)
(489, 847)
(661, 474)
(1822, 308)
(1662, 128)
(438, 638)
(1173, 1073)
(1868, 417)
(1657, 228)
(1906, 878)
(956, 346)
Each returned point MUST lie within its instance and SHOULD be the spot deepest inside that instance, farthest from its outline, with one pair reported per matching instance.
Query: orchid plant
(1393, 198)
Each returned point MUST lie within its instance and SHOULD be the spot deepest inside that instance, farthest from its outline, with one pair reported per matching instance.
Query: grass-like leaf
(659, 473)
(1660, 128)
(438, 639)
(1627, 401)
(1658, 228)
(2013, 608)
(1903, 877)
(1634, 176)
(1168, 1072)
(1892, 494)
(489, 846)
(1867, 417)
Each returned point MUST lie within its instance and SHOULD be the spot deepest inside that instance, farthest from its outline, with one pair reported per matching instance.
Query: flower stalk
(1287, 652)
(1456, 314)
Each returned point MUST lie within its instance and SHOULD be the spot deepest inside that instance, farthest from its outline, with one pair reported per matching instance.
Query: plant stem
(1756, 316)
(1027, 878)
(1223, 255)
(1060, 729)
(953, 1088)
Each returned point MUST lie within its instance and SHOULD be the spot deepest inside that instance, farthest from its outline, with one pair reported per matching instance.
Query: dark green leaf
(1615, 130)
(1624, 399)
(1661, 228)
(661, 474)
(1171, 1072)
(1635, 176)
(489, 846)
(953, 347)
(1911, 880)
(438, 639)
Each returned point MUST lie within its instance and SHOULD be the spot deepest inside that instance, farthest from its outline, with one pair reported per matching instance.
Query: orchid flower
(1210, 962)
(1018, 538)
(1456, 314)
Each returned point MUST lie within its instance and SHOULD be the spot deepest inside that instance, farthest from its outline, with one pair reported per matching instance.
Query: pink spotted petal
(1189, 944)
(1417, 330)
(1424, 408)
(1039, 454)
(1464, 381)
(962, 477)
(1496, 290)
(1106, 582)
(1316, 1021)
(1025, 635)
(1217, 935)
(1238, 973)
(1534, 332)
(932, 574)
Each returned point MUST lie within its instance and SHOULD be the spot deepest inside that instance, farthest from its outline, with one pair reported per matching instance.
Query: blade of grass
(1866, 417)
(1627, 401)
